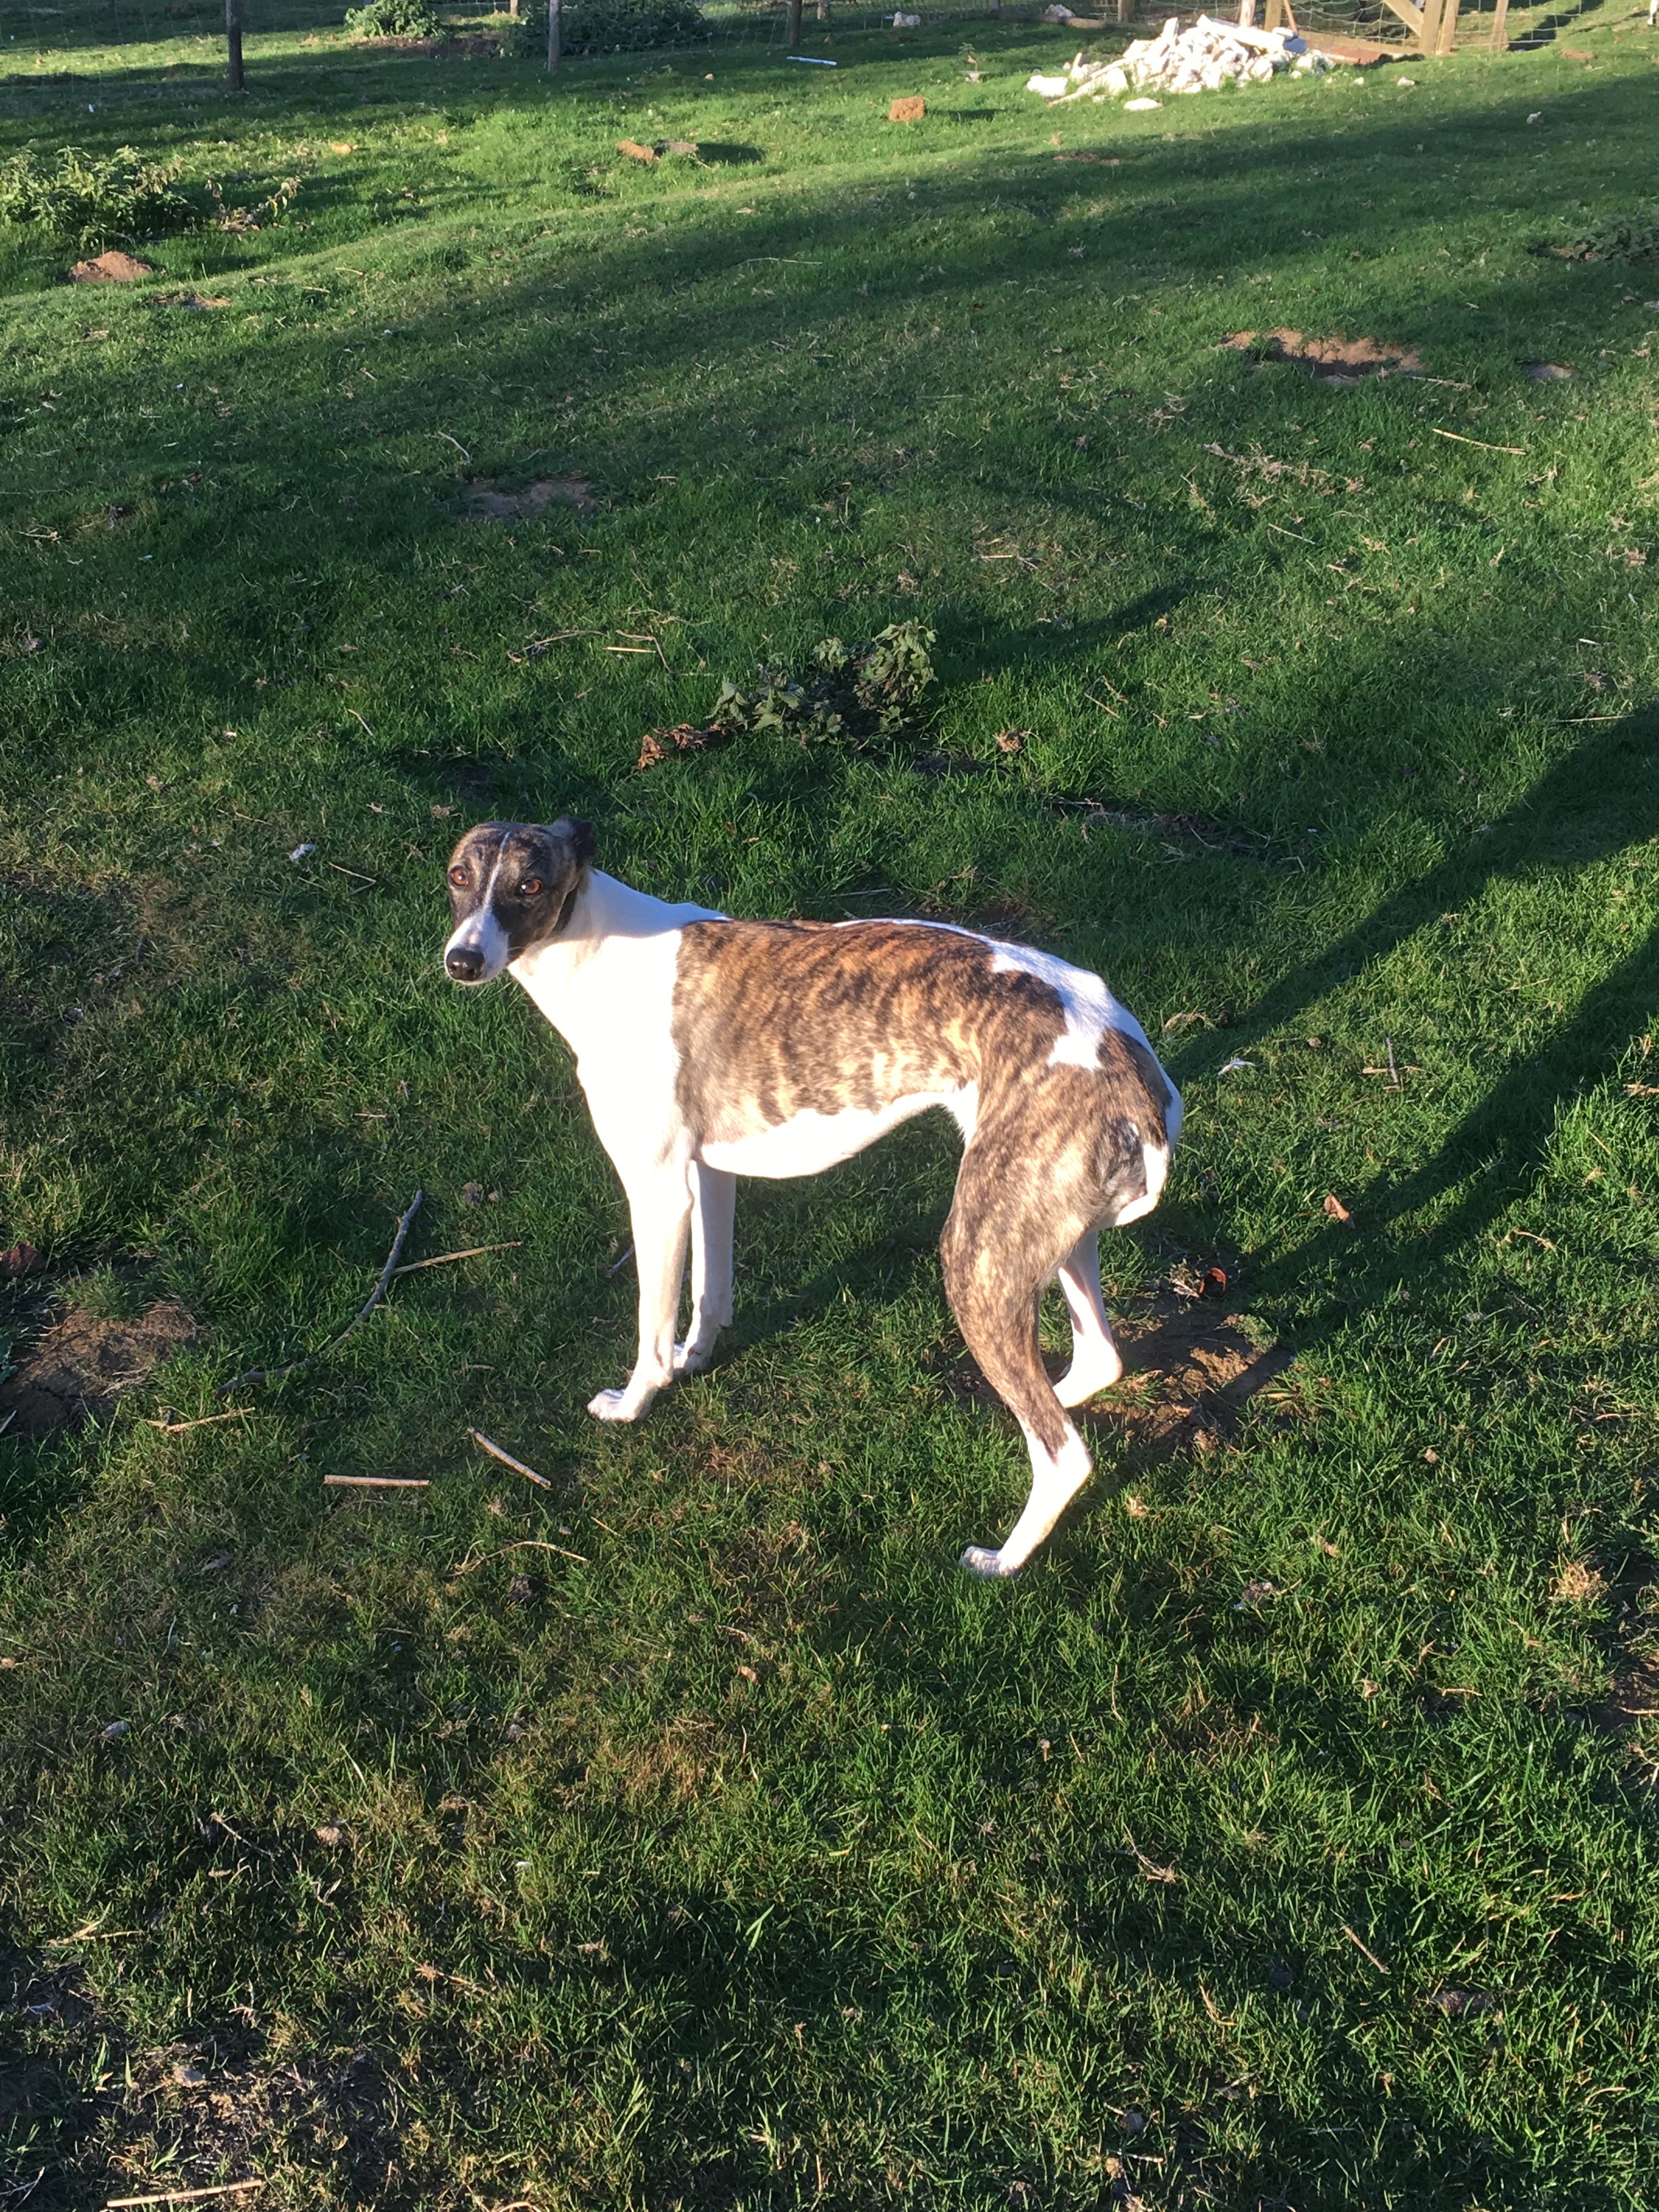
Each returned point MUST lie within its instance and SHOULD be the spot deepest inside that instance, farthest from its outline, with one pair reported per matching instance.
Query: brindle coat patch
(773, 1019)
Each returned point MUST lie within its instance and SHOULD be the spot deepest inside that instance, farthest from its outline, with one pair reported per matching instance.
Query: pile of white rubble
(1201, 58)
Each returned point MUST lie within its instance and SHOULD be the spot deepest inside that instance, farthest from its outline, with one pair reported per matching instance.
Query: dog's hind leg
(998, 1251)
(1095, 1362)
(714, 1195)
(660, 1208)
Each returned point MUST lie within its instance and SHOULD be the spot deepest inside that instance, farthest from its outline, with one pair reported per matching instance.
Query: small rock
(115, 1730)
(472, 1193)
(329, 1833)
(188, 2077)
(302, 852)
(1140, 107)
(1548, 372)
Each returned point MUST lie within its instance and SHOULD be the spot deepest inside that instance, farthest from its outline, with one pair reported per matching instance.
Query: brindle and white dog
(710, 1048)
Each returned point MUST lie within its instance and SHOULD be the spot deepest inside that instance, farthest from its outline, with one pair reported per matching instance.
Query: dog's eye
(459, 878)
(531, 888)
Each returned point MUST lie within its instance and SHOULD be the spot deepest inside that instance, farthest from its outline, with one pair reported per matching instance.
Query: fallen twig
(376, 1482)
(1150, 1867)
(472, 1251)
(508, 1460)
(523, 1544)
(182, 2196)
(617, 1266)
(1459, 438)
(311, 1358)
(1365, 1949)
(203, 1421)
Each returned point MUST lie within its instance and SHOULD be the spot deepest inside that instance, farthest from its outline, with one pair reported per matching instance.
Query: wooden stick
(182, 2196)
(375, 1482)
(508, 1460)
(414, 1266)
(617, 1266)
(311, 1358)
(205, 1421)
(524, 1544)
(1365, 1949)
(1459, 438)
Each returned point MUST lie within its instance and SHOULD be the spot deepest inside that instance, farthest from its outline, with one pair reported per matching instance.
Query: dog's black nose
(465, 962)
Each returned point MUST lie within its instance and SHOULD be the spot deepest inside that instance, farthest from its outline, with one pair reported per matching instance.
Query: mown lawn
(1286, 1834)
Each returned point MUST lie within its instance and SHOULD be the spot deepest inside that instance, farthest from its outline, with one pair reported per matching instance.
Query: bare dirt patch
(112, 267)
(1189, 1366)
(190, 2115)
(78, 1368)
(488, 502)
(1333, 360)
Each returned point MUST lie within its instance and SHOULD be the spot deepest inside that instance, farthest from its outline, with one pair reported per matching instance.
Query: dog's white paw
(988, 1565)
(613, 1405)
(692, 1357)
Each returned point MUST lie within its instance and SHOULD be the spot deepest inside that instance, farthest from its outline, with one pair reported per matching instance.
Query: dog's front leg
(714, 1208)
(661, 1212)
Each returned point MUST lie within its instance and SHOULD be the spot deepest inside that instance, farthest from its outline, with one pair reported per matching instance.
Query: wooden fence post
(1500, 36)
(792, 36)
(553, 28)
(234, 45)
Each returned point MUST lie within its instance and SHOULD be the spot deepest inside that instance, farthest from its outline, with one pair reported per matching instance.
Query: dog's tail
(1009, 1230)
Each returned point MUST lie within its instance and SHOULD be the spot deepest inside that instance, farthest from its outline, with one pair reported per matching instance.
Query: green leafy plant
(616, 27)
(850, 693)
(394, 19)
(92, 200)
(1620, 238)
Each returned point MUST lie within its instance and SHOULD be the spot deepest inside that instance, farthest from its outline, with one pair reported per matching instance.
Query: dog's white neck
(574, 977)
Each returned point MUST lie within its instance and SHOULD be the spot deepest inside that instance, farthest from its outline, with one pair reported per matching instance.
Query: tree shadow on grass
(1603, 799)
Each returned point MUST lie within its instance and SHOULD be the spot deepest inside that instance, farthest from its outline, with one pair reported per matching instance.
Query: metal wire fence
(39, 41)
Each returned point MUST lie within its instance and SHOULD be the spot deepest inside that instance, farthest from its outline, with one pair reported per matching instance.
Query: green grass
(753, 1857)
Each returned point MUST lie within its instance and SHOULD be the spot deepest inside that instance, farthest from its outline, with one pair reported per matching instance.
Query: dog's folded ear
(578, 835)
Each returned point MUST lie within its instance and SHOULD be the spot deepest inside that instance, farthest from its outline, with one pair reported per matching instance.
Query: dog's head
(512, 885)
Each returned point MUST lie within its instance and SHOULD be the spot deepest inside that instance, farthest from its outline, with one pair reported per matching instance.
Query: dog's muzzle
(464, 963)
